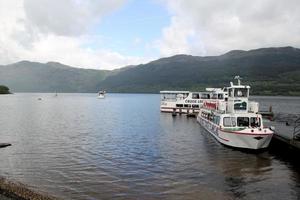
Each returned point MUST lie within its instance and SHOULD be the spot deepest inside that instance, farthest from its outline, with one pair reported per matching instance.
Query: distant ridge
(270, 71)
(26, 76)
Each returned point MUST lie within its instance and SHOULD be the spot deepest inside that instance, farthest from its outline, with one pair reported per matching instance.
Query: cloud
(48, 30)
(67, 17)
(216, 26)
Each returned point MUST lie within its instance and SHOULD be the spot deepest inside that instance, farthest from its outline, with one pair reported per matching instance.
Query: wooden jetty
(287, 130)
(267, 114)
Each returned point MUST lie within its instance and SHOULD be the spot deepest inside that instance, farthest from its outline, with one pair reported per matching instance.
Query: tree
(4, 89)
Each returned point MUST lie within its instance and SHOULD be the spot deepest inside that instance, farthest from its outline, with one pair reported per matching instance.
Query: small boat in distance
(101, 94)
(235, 121)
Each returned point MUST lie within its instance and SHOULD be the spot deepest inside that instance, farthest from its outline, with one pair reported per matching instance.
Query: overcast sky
(109, 34)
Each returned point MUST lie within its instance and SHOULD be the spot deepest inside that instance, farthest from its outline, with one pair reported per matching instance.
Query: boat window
(168, 97)
(229, 122)
(179, 105)
(220, 96)
(241, 92)
(255, 122)
(216, 120)
(214, 96)
(240, 106)
(195, 96)
(180, 96)
(243, 121)
(205, 96)
(195, 106)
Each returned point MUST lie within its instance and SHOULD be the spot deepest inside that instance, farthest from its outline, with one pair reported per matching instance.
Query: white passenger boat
(101, 94)
(186, 102)
(235, 121)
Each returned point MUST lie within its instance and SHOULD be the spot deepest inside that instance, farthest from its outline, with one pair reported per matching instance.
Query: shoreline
(17, 191)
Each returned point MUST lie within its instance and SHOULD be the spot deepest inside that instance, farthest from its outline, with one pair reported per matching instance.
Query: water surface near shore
(76, 146)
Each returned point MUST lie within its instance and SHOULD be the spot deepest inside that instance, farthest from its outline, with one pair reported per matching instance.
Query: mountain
(28, 76)
(270, 71)
(267, 70)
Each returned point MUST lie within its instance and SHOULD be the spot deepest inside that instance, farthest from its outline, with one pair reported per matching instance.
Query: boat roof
(173, 92)
(239, 86)
(214, 89)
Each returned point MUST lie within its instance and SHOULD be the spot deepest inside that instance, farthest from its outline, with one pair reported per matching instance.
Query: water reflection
(76, 146)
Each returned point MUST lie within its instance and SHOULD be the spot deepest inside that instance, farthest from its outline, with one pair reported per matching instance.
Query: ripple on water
(78, 147)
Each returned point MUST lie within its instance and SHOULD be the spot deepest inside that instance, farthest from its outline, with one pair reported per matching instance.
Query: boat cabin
(233, 121)
(238, 98)
(173, 95)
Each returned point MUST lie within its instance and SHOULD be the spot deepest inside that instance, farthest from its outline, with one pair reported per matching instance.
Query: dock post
(174, 112)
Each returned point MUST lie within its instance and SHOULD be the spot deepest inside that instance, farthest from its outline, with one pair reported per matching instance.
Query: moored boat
(235, 121)
(101, 94)
(186, 101)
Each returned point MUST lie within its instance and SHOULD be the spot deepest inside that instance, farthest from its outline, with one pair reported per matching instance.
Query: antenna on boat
(239, 79)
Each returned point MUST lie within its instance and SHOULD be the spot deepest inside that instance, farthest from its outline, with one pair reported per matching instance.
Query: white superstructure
(234, 121)
(186, 101)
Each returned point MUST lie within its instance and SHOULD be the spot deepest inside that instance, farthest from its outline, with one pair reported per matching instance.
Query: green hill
(270, 71)
(28, 76)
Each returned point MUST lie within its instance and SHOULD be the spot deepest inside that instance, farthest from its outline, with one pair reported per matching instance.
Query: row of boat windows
(213, 118)
(194, 96)
(208, 96)
(233, 121)
(187, 105)
(241, 121)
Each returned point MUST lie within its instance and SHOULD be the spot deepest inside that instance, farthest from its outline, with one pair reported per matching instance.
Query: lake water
(76, 146)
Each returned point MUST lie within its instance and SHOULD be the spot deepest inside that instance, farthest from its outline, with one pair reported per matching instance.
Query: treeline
(4, 89)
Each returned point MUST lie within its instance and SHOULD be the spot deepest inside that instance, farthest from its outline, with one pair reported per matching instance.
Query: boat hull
(240, 139)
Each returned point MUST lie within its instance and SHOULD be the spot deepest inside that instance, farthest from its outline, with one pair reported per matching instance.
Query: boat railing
(296, 134)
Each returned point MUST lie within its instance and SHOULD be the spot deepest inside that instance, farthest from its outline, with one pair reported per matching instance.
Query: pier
(287, 129)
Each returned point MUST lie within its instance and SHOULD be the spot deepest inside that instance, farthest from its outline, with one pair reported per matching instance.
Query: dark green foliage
(4, 89)
(50, 77)
(270, 71)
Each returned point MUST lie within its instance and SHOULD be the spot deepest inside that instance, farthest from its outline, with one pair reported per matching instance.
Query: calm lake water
(76, 146)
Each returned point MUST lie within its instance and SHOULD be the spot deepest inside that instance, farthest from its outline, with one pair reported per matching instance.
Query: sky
(103, 34)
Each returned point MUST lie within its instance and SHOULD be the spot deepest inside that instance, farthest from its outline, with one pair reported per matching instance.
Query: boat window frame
(241, 92)
(198, 96)
(232, 122)
(258, 124)
(243, 108)
(216, 119)
(239, 122)
(220, 96)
